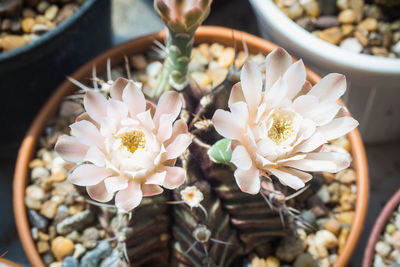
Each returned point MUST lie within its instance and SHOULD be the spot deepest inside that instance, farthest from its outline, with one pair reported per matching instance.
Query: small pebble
(347, 16)
(49, 209)
(346, 176)
(51, 12)
(390, 228)
(43, 247)
(332, 35)
(304, 260)
(333, 226)
(39, 173)
(62, 247)
(382, 248)
(78, 251)
(70, 262)
(326, 238)
(342, 239)
(272, 261)
(227, 57)
(139, 62)
(10, 42)
(369, 24)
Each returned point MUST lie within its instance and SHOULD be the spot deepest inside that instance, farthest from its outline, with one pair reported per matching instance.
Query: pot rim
(379, 225)
(207, 34)
(8, 263)
(311, 44)
(43, 39)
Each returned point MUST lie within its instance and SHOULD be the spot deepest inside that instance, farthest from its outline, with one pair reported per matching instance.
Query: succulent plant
(227, 197)
(182, 18)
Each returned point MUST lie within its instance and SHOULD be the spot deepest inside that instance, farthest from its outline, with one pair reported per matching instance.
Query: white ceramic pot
(373, 94)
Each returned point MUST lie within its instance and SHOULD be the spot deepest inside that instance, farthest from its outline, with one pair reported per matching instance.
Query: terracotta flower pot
(379, 225)
(207, 34)
(7, 263)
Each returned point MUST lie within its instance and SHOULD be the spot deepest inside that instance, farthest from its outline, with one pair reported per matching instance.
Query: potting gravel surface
(23, 21)
(387, 248)
(371, 28)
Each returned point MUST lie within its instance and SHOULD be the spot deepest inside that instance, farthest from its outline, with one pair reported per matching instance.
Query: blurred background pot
(205, 34)
(30, 73)
(379, 225)
(373, 82)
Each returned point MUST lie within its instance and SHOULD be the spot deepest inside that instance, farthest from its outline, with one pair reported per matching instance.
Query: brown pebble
(51, 12)
(227, 57)
(342, 239)
(361, 36)
(379, 51)
(62, 247)
(347, 29)
(58, 177)
(6, 25)
(10, 42)
(27, 24)
(346, 217)
(49, 209)
(36, 163)
(204, 50)
(139, 62)
(347, 16)
(42, 236)
(328, 177)
(33, 203)
(28, 13)
(332, 35)
(43, 247)
(346, 176)
(66, 12)
(16, 25)
(333, 226)
(369, 24)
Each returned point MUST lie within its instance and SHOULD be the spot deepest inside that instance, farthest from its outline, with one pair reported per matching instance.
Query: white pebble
(352, 45)
(39, 173)
(382, 248)
(326, 239)
(396, 48)
(397, 221)
(154, 68)
(58, 165)
(323, 193)
(378, 262)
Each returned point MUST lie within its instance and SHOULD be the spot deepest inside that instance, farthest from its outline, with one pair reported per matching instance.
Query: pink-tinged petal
(341, 160)
(263, 161)
(311, 165)
(98, 192)
(179, 127)
(248, 180)
(85, 117)
(295, 76)
(151, 190)
(88, 174)
(251, 81)
(146, 119)
(225, 124)
(108, 126)
(304, 176)
(241, 158)
(95, 105)
(157, 178)
(307, 129)
(134, 98)
(330, 88)
(95, 156)
(307, 86)
(169, 103)
(276, 64)
(165, 127)
(275, 95)
(236, 94)
(338, 127)
(266, 147)
(240, 112)
(312, 143)
(175, 176)
(87, 133)
(129, 198)
(117, 88)
(295, 157)
(116, 109)
(321, 113)
(115, 183)
(287, 179)
(71, 149)
(178, 146)
(304, 105)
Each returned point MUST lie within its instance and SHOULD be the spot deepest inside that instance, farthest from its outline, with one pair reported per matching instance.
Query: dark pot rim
(379, 225)
(50, 34)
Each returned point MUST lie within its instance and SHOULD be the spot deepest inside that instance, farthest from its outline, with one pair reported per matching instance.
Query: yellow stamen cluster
(133, 140)
(281, 130)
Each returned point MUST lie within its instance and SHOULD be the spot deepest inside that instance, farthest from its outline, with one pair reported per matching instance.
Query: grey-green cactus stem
(175, 69)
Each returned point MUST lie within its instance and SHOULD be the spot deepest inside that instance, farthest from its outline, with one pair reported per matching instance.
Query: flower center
(281, 130)
(133, 140)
